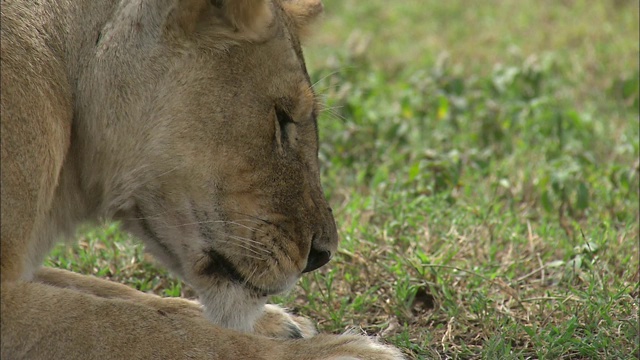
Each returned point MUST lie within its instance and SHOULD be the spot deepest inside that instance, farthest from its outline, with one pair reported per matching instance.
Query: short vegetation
(481, 158)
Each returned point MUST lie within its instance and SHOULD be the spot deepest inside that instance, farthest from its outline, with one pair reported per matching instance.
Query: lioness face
(241, 195)
(230, 198)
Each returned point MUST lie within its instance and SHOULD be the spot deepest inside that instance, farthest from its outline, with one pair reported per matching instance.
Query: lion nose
(316, 258)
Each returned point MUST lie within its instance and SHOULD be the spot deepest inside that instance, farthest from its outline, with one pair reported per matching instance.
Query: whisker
(253, 272)
(248, 248)
(336, 115)
(260, 258)
(262, 273)
(245, 226)
(217, 222)
(329, 108)
(254, 244)
(252, 216)
(326, 76)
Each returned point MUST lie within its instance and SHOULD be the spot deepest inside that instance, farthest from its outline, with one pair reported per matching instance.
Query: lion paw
(349, 347)
(275, 322)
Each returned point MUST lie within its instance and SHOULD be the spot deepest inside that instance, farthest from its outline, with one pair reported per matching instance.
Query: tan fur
(249, 16)
(303, 13)
(193, 123)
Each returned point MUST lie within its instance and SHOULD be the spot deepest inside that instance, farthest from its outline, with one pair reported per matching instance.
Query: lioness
(193, 122)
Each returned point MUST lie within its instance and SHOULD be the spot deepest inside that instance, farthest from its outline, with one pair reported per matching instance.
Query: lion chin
(194, 124)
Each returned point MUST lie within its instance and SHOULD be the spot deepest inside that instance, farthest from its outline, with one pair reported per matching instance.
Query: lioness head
(198, 129)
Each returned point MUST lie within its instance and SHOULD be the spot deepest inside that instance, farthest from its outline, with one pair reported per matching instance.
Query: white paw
(275, 322)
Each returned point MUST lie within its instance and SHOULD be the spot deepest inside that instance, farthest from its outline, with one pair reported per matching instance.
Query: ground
(482, 162)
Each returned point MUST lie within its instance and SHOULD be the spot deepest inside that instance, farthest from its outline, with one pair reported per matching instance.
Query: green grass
(482, 162)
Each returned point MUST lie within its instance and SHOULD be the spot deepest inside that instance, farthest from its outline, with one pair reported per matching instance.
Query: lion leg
(45, 322)
(275, 322)
(340, 347)
(94, 285)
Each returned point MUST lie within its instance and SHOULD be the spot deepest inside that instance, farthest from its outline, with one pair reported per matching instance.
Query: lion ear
(246, 19)
(249, 17)
(303, 12)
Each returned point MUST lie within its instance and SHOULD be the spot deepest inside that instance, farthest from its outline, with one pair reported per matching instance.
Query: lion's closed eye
(285, 129)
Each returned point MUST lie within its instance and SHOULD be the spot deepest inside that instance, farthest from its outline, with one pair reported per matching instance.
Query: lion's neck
(74, 28)
(99, 42)
(71, 28)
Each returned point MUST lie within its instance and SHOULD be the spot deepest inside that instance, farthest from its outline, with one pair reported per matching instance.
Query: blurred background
(481, 158)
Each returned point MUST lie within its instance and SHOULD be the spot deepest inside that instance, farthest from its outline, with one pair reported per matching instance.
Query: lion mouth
(214, 264)
(220, 266)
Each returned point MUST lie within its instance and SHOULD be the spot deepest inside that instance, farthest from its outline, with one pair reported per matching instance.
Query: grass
(482, 162)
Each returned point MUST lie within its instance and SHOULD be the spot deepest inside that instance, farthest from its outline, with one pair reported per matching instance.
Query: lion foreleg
(40, 321)
(273, 322)
(111, 290)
